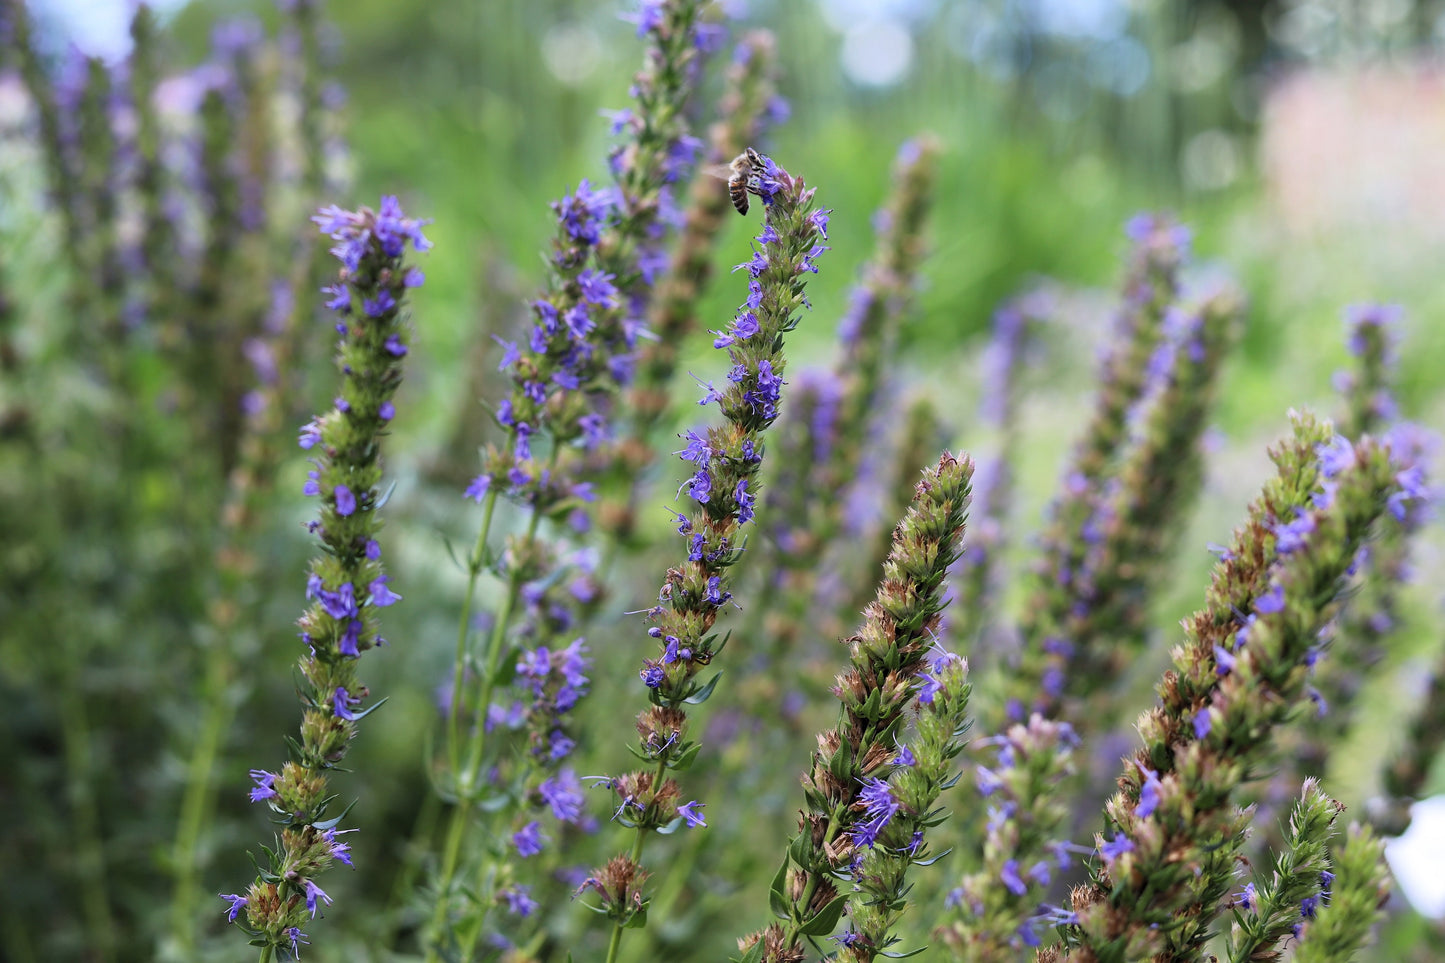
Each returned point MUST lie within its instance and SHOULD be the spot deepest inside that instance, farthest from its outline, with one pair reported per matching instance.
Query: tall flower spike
(977, 575)
(849, 803)
(867, 335)
(1358, 891)
(741, 115)
(1290, 896)
(996, 907)
(1359, 636)
(901, 810)
(347, 585)
(723, 485)
(1131, 537)
(1174, 823)
(923, 434)
(1150, 286)
(587, 326)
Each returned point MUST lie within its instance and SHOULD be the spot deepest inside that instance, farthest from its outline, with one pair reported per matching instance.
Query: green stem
(835, 822)
(266, 953)
(413, 857)
(91, 855)
(639, 837)
(197, 803)
(467, 778)
(475, 562)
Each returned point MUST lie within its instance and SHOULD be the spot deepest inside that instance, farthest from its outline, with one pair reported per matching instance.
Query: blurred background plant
(161, 340)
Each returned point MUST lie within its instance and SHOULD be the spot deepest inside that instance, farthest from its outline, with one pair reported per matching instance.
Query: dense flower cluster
(1022, 850)
(850, 806)
(1217, 716)
(607, 256)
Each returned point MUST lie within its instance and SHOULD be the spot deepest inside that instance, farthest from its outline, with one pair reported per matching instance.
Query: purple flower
(381, 596)
(345, 501)
(477, 490)
(298, 939)
(1271, 601)
(340, 299)
(310, 435)
(379, 305)
(597, 288)
(341, 703)
(563, 792)
(519, 900)
(715, 593)
(692, 813)
(341, 852)
(1148, 794)
(237, 901)
(314, 894)
(652, 675)
(1291, 537)
(648, 17)
(1335, 455)
(265, 781)
(387, 411)
(988, 781)
(1224, 661)
(1247, 898)
(340, 604)
(394, 347)
(529, 839)
(414, 278)
(1116, 847)
(881, 807)
(1009, 876)
(745, 502)
(699, 486)
(349, 638)
(819, 220)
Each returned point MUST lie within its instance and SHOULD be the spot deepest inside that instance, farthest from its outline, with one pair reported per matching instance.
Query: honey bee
(743, 176)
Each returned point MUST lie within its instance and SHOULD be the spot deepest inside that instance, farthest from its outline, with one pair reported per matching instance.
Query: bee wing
(720, 171)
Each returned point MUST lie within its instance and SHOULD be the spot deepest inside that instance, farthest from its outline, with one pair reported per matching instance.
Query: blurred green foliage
(453, 105)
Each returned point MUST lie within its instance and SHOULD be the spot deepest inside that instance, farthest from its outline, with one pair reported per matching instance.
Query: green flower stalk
(867, 335)
(1150, 287)
(724, 485)
(923, 434)
(347, 585)
(851, 798)
(64, 180)
(1023, 850)
(1358, 638)
(745, 103)
(1275, 908)
(227, 640)
(1404, 779)
(157, 235)
(977, 580)
(1239, 675)
(1357, 897)
(303, 22)
(1132, 534)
